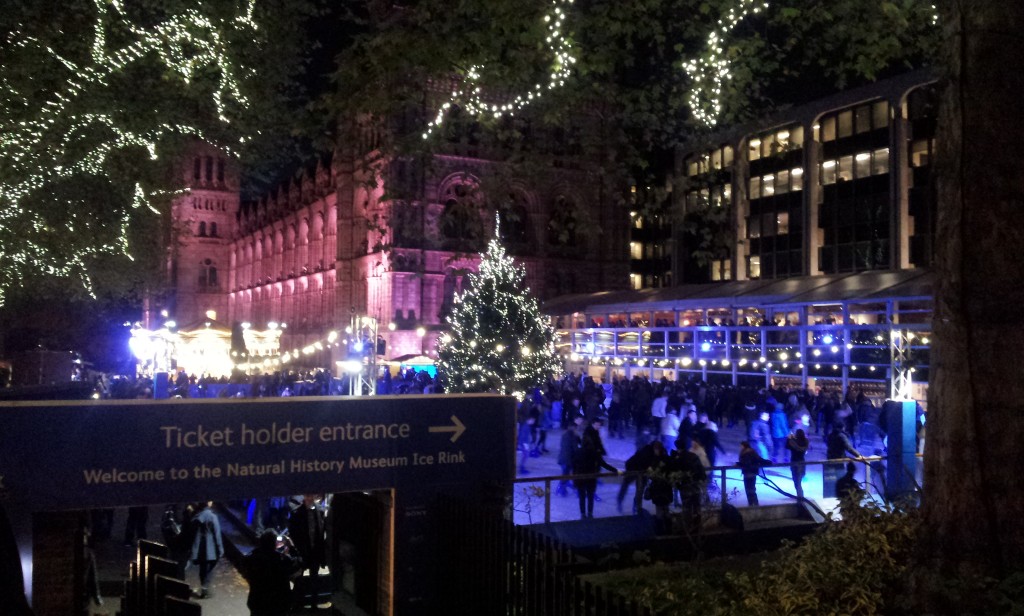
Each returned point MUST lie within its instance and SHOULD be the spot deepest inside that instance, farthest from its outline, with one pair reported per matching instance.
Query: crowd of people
(675, 425)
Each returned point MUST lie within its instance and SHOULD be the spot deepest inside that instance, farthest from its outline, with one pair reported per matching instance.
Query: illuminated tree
(499, 340)
(96, 102)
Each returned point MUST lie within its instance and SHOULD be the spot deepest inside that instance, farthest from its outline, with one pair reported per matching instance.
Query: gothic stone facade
(331, 246)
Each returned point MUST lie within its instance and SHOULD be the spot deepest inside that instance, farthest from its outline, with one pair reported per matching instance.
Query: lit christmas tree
(499, 341)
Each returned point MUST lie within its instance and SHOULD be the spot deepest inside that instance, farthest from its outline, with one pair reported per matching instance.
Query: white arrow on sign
(456, 430)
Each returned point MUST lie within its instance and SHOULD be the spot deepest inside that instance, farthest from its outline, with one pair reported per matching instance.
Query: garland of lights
(44, 150)
(709, 71)
(499, 340)
(468, 96)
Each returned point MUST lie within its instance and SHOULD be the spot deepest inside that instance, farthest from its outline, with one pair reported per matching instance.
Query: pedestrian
(837, 446)
(523, 442)
(177, 536)
(568, 445)
(760, 437)
(135, 525)
(692, 480)
(588, 460)
(847, 487)
(750, 464)
(659, 486)
(798, 445)
(207, 547)
(635, 465)
(269, 569)
(670, 430)
(779, 426)
(307, 530)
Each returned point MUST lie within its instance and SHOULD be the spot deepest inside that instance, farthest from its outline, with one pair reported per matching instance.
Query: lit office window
(754, 267)
(880, 161)
(796, 181)
(782, 223)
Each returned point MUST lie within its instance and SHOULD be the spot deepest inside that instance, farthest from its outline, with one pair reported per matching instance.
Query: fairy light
(43, 150)
(469, 97)
(709, 71)
(499, 339)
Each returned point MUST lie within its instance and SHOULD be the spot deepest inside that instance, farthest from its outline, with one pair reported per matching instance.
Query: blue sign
(78, 455)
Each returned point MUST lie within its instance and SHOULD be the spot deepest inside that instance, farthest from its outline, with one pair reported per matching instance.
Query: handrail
(720, 470)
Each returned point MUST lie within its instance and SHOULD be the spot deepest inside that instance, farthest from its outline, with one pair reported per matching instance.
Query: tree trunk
(974, 464)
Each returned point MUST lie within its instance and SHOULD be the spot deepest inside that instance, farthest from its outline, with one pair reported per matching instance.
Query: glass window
(755, 188)
(721, 270)
(727, 194)
(754, 227)
(768, 185)
(796, 179)
(880, 114)
(796, 137)
(716, 196)
(727, 155)
(845, 171)
(862, 164)
(828, 172)
(863, 119)
(845, 124)
(636, 250)
(782, 182)
(716, 159)
(828, 129)
(880, 161)
(754, 268)
(692, 168)
(782, 223)
(754, 151)
(919, 153)
(769, 145)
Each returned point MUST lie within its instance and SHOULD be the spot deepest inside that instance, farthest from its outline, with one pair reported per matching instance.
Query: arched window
(461, 227)
(207, 275)
(202, 229)
(514, 221)
(213, 229)
(563, 223)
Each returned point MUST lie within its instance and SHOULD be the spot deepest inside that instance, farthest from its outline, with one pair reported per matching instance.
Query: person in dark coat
(269, 570)
(588, 460)
(798, 444)
(847, 487)
(307, 530)
(750, 463)
(640, 461)
(207, 547)
(691, 482)
(659, 489)
(567, 449)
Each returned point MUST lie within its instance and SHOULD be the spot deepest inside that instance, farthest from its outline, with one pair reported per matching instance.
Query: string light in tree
(70, 136)
(709, 71)
(499, 340)
(469, 96)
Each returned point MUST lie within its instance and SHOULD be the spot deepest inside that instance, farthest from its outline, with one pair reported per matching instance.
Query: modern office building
(822, 222)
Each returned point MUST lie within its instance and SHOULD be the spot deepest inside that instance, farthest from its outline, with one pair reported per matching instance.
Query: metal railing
(774, 485)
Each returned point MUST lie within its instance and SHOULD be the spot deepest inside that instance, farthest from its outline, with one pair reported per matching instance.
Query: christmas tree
(499, 341)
